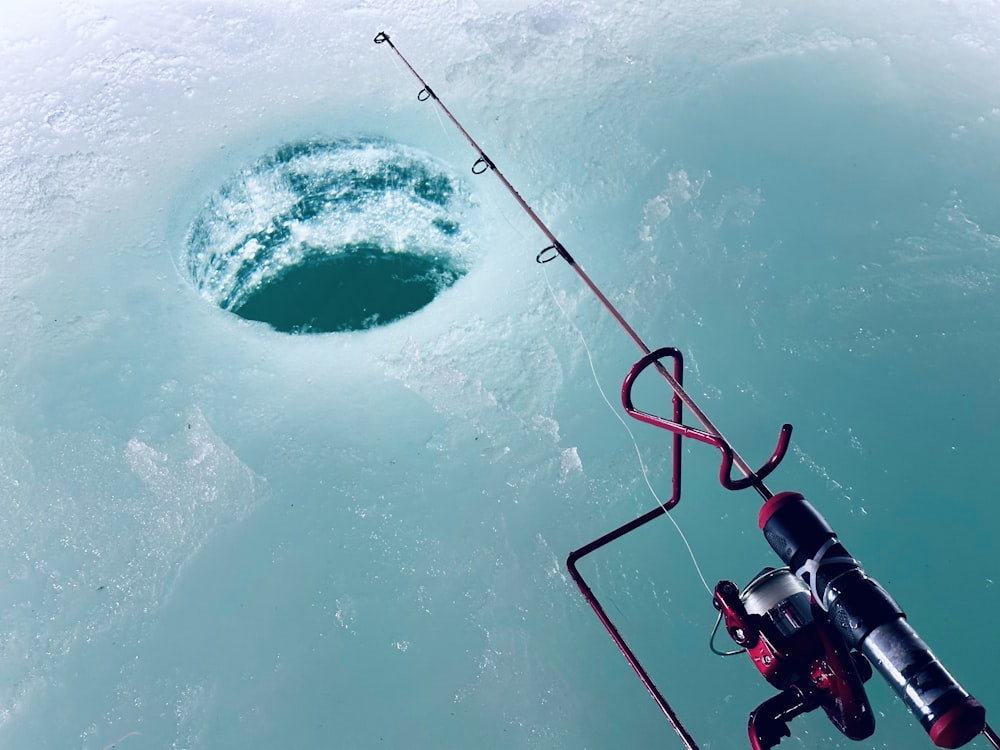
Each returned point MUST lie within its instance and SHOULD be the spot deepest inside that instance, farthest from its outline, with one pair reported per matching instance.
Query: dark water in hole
(359, 288)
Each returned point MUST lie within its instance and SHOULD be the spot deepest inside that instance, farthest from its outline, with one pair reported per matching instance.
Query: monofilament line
(635, 443)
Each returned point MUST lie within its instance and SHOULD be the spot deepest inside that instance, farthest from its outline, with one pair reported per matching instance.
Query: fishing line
(557, 248)
(501, 210)
(635, 443)
(444, 129)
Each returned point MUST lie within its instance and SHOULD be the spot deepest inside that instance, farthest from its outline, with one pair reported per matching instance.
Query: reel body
(777, 623)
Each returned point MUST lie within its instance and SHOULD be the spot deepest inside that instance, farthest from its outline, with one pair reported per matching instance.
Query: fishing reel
(793, 645)
(815, 633)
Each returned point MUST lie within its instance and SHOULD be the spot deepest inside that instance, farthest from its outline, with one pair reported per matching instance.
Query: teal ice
(216, 535)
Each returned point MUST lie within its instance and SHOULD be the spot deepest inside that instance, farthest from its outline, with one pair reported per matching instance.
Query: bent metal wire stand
(679, 430)
(794, 529)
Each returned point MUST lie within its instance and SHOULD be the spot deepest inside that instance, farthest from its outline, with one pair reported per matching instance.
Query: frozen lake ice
(216, 535)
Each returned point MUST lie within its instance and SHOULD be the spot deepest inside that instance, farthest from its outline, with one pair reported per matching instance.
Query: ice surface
(218, 536)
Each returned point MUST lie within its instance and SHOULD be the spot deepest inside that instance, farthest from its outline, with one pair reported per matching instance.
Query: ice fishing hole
(331, 235)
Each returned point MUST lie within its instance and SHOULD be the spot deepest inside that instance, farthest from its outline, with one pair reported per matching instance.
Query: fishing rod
(814, 628)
